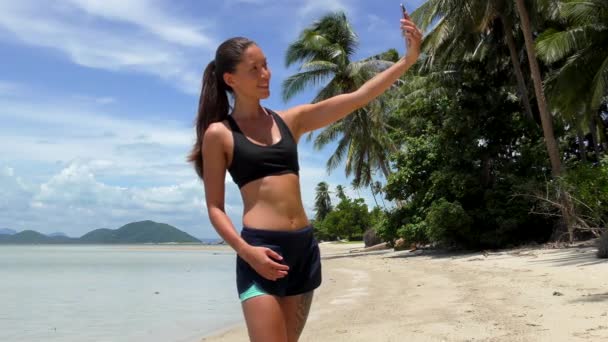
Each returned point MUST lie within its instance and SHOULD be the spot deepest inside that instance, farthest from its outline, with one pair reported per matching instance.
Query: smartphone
(405, 14)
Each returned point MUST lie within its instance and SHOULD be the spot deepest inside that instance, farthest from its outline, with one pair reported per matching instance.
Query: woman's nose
(265, 73)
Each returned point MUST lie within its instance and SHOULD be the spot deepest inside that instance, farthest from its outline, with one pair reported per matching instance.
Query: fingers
(410, 27)
(273, 254)
(275, 269)
(410, 30)
(278, 266)
(276, 256)
(275, 273)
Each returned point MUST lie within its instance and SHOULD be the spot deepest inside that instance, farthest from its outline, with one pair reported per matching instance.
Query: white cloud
(149, 41)
(105, 171)
(315, 7)
(14, 193)
(149, 16)
(75, 201)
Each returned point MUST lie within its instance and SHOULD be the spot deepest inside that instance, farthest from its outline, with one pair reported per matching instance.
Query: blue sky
(98, 99)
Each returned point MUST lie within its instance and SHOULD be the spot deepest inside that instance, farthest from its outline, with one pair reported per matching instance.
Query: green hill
(101, 235)
(32, 236)
(136, 232)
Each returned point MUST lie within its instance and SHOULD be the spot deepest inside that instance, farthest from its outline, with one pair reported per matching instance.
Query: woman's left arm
(306, 118)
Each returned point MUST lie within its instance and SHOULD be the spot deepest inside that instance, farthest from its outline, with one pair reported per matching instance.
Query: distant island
(132, 233)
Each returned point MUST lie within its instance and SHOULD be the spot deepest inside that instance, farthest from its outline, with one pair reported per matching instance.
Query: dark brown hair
(213, 104)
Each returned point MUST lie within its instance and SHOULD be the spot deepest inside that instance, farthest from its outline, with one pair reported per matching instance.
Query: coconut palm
(322, 201)
(324, 52)
(340, 192)
(376, 188)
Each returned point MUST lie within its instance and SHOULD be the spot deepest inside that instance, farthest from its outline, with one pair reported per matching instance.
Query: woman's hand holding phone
(413, 36)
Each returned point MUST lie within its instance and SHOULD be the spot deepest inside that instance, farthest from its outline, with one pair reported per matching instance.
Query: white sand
(531, 294)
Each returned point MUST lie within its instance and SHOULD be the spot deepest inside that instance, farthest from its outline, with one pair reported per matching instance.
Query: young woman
(278, 261)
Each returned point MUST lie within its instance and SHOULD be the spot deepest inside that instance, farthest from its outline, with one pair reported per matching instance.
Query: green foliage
(386, 225)
(588, 185)
(463, 154)
(447, 222)
(415, 232)
(465, 150)
(349, 220)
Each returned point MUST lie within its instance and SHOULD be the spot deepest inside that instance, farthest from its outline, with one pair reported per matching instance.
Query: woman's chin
(264, 95)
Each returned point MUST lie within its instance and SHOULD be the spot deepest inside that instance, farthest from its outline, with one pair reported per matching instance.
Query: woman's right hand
(261, 260)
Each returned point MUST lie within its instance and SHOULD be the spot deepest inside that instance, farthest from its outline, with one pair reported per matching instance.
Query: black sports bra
(251, 161)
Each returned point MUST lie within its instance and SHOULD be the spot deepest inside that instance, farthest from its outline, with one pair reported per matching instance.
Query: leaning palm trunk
(521, 83)
(545, 116)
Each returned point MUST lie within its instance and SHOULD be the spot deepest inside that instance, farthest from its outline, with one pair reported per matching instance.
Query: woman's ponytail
(213, 105)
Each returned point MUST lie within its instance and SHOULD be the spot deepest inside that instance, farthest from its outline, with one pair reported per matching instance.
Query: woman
(278, 262)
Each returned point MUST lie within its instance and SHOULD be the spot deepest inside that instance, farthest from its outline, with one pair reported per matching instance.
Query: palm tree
(580, 51)
(340, 192)
(324, 52)
(376, 188)
(322, 201)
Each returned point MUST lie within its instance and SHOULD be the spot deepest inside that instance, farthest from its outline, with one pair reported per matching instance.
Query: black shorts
(300, 251)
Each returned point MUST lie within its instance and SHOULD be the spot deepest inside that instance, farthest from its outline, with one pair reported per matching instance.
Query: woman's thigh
(295, 311)
(264, 318)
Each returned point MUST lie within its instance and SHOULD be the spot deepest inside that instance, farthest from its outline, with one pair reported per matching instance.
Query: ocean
(115, 292)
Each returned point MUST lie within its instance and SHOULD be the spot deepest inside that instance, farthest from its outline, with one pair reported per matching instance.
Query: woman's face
(251, 78)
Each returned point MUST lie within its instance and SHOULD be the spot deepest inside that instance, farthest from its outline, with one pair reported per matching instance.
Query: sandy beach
(524, 294)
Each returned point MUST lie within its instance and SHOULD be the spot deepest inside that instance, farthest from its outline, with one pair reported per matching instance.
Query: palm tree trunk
(521, 83)
(545, 116)
(371, 188)
(386, 173)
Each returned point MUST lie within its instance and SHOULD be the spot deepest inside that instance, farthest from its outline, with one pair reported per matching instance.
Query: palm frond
(553, 45)
(599, 85)
(296, 83)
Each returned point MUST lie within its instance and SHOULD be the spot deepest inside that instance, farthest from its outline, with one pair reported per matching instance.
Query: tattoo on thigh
(302, 311)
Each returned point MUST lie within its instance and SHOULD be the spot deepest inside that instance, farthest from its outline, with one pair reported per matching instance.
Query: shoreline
(531, 293)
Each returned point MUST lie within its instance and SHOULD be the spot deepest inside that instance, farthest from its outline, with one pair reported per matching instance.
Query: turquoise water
(115, 293)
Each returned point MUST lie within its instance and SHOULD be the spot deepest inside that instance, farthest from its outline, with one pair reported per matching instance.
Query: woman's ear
(228, 79)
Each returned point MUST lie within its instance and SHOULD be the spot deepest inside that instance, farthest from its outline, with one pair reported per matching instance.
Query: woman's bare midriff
(274, 203)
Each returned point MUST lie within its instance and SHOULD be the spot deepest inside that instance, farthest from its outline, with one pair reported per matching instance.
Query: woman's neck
(248, 109)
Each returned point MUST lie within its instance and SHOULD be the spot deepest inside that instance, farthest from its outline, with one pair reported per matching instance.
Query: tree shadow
(331, 256)
(568, 257)
(436, 254)
(592, 298)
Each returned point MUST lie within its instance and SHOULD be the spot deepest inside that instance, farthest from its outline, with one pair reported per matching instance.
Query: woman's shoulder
(217, 131)
(289, 119)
